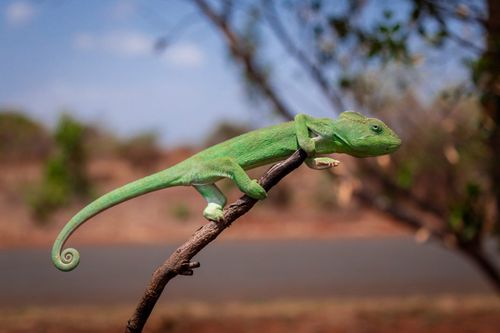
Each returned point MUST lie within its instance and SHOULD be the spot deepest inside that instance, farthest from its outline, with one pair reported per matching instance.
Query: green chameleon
(352, 133)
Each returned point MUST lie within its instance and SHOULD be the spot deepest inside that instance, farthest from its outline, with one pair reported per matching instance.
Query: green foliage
(71, 159)
(467, 218)
(21, 138)
(339, 25)
(404, 174)
(64, 176)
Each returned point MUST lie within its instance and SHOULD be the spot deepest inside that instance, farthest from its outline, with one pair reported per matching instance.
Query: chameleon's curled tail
(67, 259)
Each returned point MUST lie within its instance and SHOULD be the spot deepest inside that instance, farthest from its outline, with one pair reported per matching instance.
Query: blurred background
(95, 94)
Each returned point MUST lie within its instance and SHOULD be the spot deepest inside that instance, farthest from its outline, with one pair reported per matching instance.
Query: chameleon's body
(352, 133)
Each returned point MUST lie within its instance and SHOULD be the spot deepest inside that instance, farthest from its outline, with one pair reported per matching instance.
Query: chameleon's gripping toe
(256, 191)
(65, 260)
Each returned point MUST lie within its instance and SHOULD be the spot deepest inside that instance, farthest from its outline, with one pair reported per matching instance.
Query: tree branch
(179, 263)
(315, 73)
(473, 252)
(246, 58)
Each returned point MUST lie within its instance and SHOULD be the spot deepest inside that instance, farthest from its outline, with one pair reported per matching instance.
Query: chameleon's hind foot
(213, 212)
(187, 267)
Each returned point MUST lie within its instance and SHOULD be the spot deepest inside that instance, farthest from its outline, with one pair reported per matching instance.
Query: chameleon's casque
(352, 133)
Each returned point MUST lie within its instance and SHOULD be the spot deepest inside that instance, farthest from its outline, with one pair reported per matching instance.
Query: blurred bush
(223, 132)
(65, 176)
(21, 138)
(100, 142)
(442, 167)
(65, 155)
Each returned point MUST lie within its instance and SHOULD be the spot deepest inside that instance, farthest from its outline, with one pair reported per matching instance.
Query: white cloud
(19, 13)
(184, 55)
(124, 43)
(136, 44)
(129, 43)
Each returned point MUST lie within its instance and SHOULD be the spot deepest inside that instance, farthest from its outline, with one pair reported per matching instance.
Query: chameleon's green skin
(352, 133)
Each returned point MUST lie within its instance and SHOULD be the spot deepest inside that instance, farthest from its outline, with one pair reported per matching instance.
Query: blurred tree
(65, 176)
(100, 142)
(224, 131)
(21, 138)
(345, 48)
(141, 151)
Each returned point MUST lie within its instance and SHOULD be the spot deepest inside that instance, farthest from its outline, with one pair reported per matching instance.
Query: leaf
(345, 82)
(340, 26)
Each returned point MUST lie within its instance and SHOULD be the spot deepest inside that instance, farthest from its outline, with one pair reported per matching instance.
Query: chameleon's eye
(376, 128)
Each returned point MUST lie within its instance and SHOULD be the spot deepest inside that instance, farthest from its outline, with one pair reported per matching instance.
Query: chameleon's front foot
(213, 212)
(255, 191)
(320, 163)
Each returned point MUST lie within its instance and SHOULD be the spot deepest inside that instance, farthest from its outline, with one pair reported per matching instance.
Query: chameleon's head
(361, 136)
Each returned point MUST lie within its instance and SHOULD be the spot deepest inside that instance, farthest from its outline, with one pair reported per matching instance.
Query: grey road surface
(246, 270)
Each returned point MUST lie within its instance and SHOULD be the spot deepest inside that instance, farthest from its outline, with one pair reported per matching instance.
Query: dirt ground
(439, 314)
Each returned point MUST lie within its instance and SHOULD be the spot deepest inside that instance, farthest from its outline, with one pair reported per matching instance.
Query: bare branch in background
(240, 53)
(472, 252)
(316, 74)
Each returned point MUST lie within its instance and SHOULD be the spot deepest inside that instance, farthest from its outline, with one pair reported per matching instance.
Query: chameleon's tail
(68, 259)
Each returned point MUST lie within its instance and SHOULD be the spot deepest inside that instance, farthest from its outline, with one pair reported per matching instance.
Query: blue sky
(95, 58)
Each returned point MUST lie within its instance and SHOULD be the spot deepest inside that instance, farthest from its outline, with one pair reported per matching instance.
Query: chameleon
(351, 133)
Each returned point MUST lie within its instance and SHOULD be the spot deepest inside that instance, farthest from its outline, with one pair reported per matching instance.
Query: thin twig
(179, 263)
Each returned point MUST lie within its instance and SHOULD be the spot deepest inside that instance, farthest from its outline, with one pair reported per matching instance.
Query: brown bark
(484, 265)
(179, 263)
